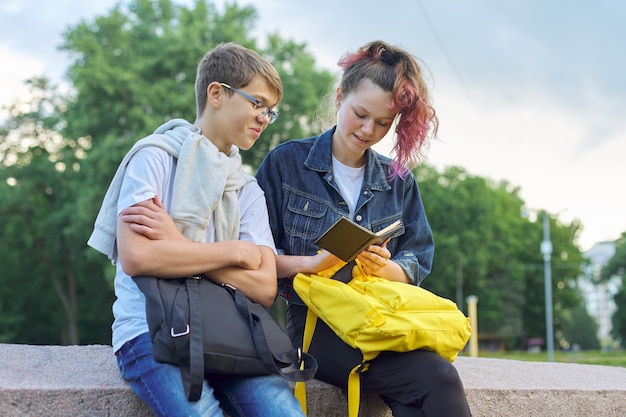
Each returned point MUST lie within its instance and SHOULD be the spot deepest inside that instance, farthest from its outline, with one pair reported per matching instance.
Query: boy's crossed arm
(150, 244)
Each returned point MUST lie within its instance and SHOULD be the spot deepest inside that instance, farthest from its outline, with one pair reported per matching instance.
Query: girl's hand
(322, 261)
(375, 259)
(149, 218)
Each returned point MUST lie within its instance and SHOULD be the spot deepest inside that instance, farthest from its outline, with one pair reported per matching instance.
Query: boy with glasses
(218, 227)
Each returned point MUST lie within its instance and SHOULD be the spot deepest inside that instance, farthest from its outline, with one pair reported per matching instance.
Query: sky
(529, 92)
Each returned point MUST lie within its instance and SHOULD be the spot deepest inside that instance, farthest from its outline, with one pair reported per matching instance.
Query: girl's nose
(368, 126)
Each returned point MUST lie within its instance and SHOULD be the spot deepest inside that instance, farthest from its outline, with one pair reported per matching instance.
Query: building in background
(599, 295)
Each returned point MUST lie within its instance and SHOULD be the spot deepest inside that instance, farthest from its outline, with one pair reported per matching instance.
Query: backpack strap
(309, 329)
(189, 343)
(354, 388)
(354, 380)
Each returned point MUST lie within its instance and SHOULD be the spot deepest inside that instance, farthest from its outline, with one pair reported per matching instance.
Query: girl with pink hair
(310, 183)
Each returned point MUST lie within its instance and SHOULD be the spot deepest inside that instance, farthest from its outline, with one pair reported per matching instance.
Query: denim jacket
(304, 201)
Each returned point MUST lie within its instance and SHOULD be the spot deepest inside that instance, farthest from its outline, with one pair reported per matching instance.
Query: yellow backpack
(373, 314)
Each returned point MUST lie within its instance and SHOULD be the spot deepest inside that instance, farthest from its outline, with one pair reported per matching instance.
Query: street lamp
(546, 250)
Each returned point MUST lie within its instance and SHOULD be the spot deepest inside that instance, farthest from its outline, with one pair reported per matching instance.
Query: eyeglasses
(273, 114)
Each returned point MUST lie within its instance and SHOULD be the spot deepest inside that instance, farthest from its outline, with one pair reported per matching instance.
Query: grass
(590, 357)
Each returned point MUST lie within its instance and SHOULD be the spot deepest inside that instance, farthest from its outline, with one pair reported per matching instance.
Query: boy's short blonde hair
(234, 65)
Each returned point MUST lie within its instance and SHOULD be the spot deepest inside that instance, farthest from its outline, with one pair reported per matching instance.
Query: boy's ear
(215, 93)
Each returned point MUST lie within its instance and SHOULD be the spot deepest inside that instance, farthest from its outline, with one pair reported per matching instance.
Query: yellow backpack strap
(354, 392)
(309, 328)
(354, 388)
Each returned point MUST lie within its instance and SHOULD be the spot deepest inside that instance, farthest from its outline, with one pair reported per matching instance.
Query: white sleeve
(149, 173)
(255, 225)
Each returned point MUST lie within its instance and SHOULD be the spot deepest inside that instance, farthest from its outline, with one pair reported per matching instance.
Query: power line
(447, 55)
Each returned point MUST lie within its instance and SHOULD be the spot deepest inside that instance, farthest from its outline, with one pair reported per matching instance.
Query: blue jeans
(160, 386)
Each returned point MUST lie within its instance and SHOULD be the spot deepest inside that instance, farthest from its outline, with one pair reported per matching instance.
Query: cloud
(16, 68)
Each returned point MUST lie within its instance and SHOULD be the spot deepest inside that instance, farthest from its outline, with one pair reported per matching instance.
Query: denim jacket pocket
(305, 216)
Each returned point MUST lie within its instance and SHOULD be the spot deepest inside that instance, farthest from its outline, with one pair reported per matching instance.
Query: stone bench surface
(83, 381)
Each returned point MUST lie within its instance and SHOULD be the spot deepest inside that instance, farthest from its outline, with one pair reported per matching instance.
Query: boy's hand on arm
(150, 219)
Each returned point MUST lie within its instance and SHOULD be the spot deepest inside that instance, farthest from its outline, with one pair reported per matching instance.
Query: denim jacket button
(358, 218)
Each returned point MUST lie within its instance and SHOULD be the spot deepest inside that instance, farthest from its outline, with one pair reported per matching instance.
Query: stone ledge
(83, 381)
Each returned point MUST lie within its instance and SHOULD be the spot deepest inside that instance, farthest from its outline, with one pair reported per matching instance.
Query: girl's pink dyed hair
(396, 71)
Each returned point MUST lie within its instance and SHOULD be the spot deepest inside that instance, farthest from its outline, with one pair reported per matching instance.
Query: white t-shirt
(349, 180)
(151, 172)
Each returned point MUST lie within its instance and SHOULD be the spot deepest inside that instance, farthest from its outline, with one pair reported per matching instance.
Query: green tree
(476, 245)
(580, 329)
(485, 247)
(45, 270)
